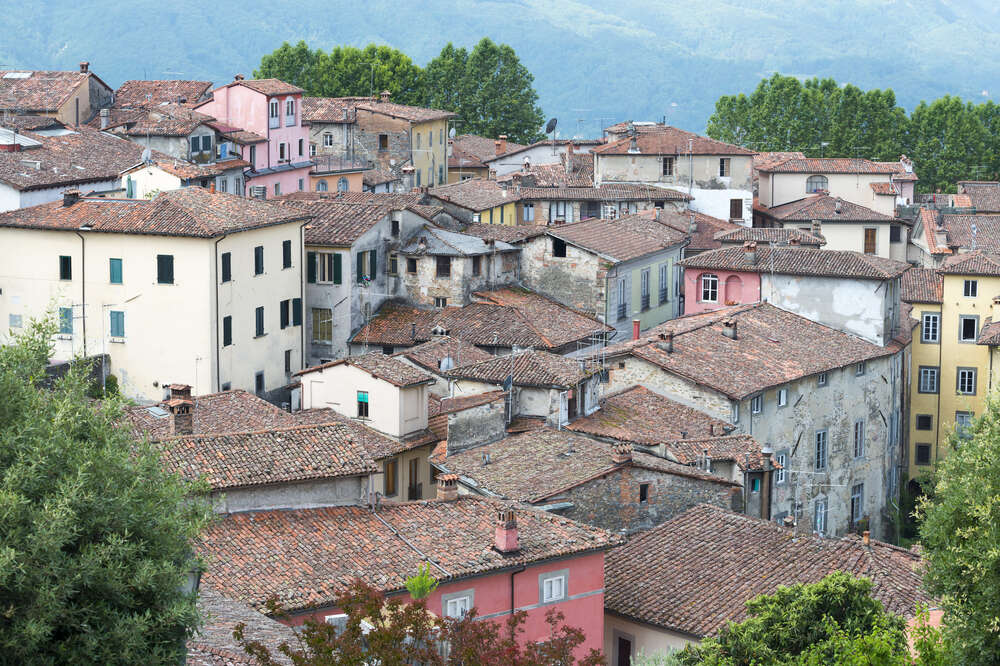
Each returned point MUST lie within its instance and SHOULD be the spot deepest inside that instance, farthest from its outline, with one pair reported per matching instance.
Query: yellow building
(479, 201)
(951, 370)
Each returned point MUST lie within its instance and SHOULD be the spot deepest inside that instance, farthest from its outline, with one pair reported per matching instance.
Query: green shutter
(336, 268)
(361, 266)
(116, 270)
(66, 320)
(311, 267)
(373, 255)
(117, 324)
(296, 312)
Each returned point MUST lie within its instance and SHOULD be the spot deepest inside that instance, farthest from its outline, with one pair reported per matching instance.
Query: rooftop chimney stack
(505, 535)
(238, 77)
(503, 144)
(621, 453)
(729, 328)
(692, 225)
(181, 416)
(104, 118)
(179, 391)
(447, 490)
(385, 95)
(817, 227)
(837, 205)
(70, 197)
(866, 538)
(635, 329)
(84, 67)
(667, 342)
(750, 252)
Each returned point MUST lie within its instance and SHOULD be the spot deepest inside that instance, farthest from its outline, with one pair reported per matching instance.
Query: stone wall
(577, 280)
(368, 126)
(342, 491)
(476, 426)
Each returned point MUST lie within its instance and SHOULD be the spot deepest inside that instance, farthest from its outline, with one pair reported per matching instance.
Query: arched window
(710, 288)
(734, 290)
(817, 183)
(321, 186)
(342, 184)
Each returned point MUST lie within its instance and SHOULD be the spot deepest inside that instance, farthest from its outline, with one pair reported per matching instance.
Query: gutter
(302, 294)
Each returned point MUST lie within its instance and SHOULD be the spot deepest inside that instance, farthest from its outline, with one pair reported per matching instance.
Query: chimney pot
(84, 67)
(179, 391)
(635, 329)
(621, 453)
(385, 95)
(70, 197)
(750, 252)
(505, 535)
(105, 113)
(181, 416)
(817, 227)
(866, 537)
(447, 487)
(667, 342)
(238, 77)
(729, 328)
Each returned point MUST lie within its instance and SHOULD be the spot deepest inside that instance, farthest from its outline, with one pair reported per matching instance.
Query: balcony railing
(645, 302)
(414, 493)
(622, 311)
(334, 163)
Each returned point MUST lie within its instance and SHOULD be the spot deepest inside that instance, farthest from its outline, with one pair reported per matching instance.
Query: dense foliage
(948, 139)
(94, 536)
(960, 534)
(488, 87)
(390, 632)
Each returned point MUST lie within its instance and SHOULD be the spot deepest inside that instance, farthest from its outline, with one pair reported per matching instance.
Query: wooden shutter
(259, 330)
(735, 209)
(361, 266)
(372, 258)
(286, 254)
(165, 268)
(869, 241)
(116, 271)
(227, 266)
(284, 313)
(311, 267)
(296, 312)
(227, 331)
(336, 268)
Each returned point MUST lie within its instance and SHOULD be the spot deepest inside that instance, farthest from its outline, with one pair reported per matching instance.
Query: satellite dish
(147, 156)
(451, 133)
(551, 127)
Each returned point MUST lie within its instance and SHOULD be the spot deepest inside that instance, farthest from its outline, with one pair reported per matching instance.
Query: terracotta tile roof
(480, 147)
(241, 136)
(793, 260)
(823, 207)
(30, 123)
(777, 235)
(162, 120)
(537, 465)
(191, 170)
(710, 562)
(984, 195)
(437, 405)
(435, 241)
(546, 143)
(268, 86)
(459, 159)
(327, 110)
(134, 93)
(767, 158)
(959, 232)
(414, 114)
(989, 334)
(188, 211)
(821, 165)
(378, 176)
(961, 201)
(921, 285)
(214, 645)
(885, 188)
(388, 199)
(229, 411)
(640, 416)
(380, 366)
(83, 156)
(605, 192)
(334, 223)
(772, 347)
(39, 91)
(665, 140)
(516, 319)
(504, 232)
(579, 174)
(975, 262)
(706, 227)
(306, 557)
(374, 443)
(738, 448)
(900, 170)
(528, 368)
(935, 233)
(620, 240)
(475, 194)
(432, 353)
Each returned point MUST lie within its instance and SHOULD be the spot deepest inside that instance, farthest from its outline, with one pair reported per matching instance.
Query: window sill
(258, 337)
(115, 284)
(64, 336)
(117, 341)
(166, 284)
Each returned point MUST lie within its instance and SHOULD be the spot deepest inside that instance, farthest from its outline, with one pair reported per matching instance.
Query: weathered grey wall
(578, 279)
(638, 371)
(340, 491)
(424, 286)
(476, 426)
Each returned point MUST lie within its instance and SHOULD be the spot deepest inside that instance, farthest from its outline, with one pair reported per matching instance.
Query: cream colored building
(191, 287)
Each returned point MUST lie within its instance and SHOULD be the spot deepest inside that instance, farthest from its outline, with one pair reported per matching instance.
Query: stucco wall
(638, 371)
(337, 388)
(645, 639)
(424, 286)
(343, 491)
(479, 425)
(11, 199)
(781, 188)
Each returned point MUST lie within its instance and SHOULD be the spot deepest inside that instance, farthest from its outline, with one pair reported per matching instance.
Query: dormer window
(817, 184)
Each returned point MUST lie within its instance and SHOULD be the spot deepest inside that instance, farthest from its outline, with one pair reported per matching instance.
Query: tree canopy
(96, 537)
(948, 139)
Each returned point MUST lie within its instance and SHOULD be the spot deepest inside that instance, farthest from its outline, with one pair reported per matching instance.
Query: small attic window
(558, 247)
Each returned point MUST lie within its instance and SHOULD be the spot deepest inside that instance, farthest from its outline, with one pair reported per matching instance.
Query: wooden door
(870, 241)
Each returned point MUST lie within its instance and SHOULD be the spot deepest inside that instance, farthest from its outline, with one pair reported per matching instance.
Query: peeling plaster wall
(343, 491)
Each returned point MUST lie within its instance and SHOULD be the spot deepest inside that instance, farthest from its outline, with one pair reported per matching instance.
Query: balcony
(645, 302)
(328, 164)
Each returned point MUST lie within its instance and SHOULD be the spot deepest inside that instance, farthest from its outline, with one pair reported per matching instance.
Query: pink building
(709, 288)
(270, 109)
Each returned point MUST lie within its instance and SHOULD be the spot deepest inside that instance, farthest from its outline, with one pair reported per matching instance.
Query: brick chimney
(817, 227)
(179, 391)
(635, 329)
(793, 240)
(505, 535)
(667, 342)
(750, 252)
(447, 490)
(70, 197)
(621, 453)
(866, 538)
(729, 328)
(84, 67)
(385, 95)
(181, 416)
(502, 145)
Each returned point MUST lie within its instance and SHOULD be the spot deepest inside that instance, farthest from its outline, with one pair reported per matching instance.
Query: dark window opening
(443, 266)
(288, 361)
(558, 247)
(924, 421)
(286, 254)
(227, 331)
(227, 266)
(477, 265)
(285, 313)
(165, 268)
(259, 321)
(65, 268)
(923, 454)
(411, 265)
(258, 260)
(258, 383)
(643, 492)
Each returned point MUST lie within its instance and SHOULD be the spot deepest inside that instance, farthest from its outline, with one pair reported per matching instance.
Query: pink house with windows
(708, 288)
(266, 116)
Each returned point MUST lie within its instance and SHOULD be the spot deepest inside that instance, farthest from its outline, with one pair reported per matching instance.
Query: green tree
(292, 64)
(445, 78)
(948, 142)
(960, 534)
(95, 538)
(421, 584)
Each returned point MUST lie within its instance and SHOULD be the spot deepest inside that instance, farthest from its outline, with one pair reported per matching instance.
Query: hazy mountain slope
(592, 59)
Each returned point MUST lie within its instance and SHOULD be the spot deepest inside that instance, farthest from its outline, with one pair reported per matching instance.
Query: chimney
(621, 453)
(527, 163)
(503, 145)
(788, 522)
(817, 227)
(667, 342)
(569, 148)
(385, 95)
(238, 77)
(836, 205)
(866, 538)
(104, 118)
(413, 330)
(635, 329)
(633, 145)
(496, 147)
(793, 240)
(692, 225)
(84, 67)
(70, 197)
(211, 187)
(729, 328)
(447, 490)
(179, 391)
(181, 416)
(505, 535)
(750, 252)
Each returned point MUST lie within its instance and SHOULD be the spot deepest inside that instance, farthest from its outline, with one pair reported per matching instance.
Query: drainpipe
(937, 427)
(512, 605)
(83, 292)
(302, 295)
(218, 341)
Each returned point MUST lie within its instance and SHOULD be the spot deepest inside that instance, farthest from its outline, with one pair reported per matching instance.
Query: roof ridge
(263, 431)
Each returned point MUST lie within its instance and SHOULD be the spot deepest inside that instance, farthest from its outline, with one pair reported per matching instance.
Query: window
(664, 284)
(735, 414)
(966, 381)
(418, 139)
(223, 185)
(923, 454)
(557, 211)
(115, 271)
(859, 439)
(821, 449)
(821, 379)
(895, 234)
(165, 268)
(362, 404)
(258, 260)
(288, 361)
(552, 586)
(930, 327)
(782, 397)
(383, 142)
(456, 605)
(411, 265)
(528, 212)
(366, 259)
(736, 209)
(924, 421)
(117, 324)
(870, 244)
(15, 320)
(273, 108)
(259, 321)
(781, 474)
(394, 228)
(819, 515)
(710, 288)
(558, 247)
(859, 369)
(284, 313)
(329, 267)
(724, 167)
(282, 152)
(227, 331)
(277, 189)
(443, 266)
(321, 186)
(440, 174)
(327, 140)
(668, 166)
(253, 156)
(477, 265)
(857, 502)
(963, 423)
(967, 328)
(971, 288)
(817, 184)
(66, 321)
(644, 288)
(756, 404)
(342, 184)
(389, 349)
(286, 254)
(440, 302)
(392, 268)
(928, 379)
(322, 325)
(755, 485)
(622, 300)
(290, 108)
(65, 268)
(296, 312)
(258, 383)
(643, 493)
(301, 152)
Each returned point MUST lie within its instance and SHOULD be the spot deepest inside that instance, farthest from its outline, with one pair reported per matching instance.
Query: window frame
(970, 289)
(857, 505)
(258, 260)
(961, 329)
(782, 397)
(920, 446)
(968, 371)
(65, 267)
(411, 265)
(325, 322)
(822, 379)
(757, 403)
(780, 474)
(442, 266)
(713, 290)
(551, 592)
(817, 183)
(725, 167)
(644, 493)
(66, 321)
(363, 405)
(259, 328)
(463, 600)
(962, 430)
(390, 472)
(933, 371)
(644, 298)
(114, 262)
(930, 320)
(860, 369)
(917, 422)
(667, 168)
(821, 450)
(477, 265)
(165, 264)
(227, 331)
(121, 323)
(286, 254)
(858, 437)
(820, 510)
